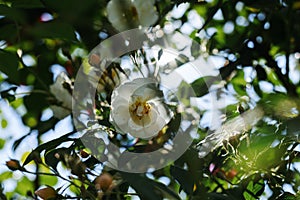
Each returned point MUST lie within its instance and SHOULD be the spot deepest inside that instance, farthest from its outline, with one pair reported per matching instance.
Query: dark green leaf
(7, 95)
(217, 196)
(160, 52)
(261, 73)
(47, 146)
(11, 13)
(44, 126)
(287, 196)
(201, 85)
(146, 188)
(8, 32)
(54, 29)
(184, 178)
(27, 4)
(195, 49)
(142, 185)
(53, 157)
(91, 162)
(9, 63)
(226, 71)
(18, 141)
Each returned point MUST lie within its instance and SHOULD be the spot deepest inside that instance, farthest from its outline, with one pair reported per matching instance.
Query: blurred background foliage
(260, 44)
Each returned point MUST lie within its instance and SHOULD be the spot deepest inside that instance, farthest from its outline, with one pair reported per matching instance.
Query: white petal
(61, 93)
(146, 12)
(162, 110)
(133, 126)
(120, 115)
(152, 130)
(117, 101)
(115, 13)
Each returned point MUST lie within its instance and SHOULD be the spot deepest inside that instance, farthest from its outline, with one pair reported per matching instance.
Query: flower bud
(231, 174)
(13, 165)
(84, 154)
(104, 182)
(46, 193)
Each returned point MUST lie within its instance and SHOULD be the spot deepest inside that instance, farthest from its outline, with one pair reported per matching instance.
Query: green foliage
(254, 38)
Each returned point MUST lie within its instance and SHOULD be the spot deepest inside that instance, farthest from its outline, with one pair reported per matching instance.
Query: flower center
(139, 111)
(134, 12)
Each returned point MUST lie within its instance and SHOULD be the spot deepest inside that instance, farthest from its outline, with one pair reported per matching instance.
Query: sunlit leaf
(24, 185)
(2, 143)
(5, 175)
(254, 190)
(4, 124)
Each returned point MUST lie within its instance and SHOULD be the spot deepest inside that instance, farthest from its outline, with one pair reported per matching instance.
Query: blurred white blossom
(61, 91)
(127, 14)
(137, 108)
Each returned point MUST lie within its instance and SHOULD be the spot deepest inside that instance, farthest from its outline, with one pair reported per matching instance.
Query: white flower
(62, 95)
(127, 14)
(137, 109)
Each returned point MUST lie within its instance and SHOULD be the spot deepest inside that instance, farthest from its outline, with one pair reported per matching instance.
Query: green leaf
(44, 126)
(184, 178)
(48, 180)
(261, 73)
(239, 83)
(287, 196)
(48, 146)
(8, 32)
(5, 175)
(24, 185)
(226, 71)
(201, 85)
(2, 143)
(195, 49)
(51, 157)
(11, 13)
(27, 4)
(54, 29)
(254, 189)
(217, 196)
(9, 63)
(4, 124)
(160, 52)
(6, 94)
(148, 189)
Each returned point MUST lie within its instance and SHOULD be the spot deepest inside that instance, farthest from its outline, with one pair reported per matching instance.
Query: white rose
(137, 109)
(63, 96)
(127, 14)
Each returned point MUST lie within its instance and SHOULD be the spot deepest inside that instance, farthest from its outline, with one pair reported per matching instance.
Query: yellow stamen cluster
(139, 111)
